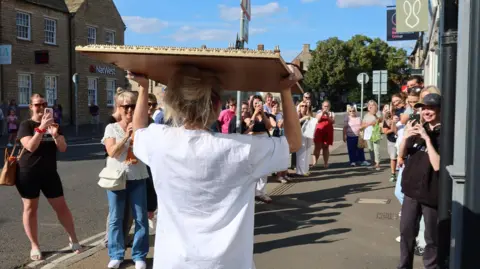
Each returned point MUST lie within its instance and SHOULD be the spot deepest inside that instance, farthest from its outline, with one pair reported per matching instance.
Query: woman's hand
(288, 82)
(408, 130)
(139, 78)
(46, 121)
(419, 130)
(53, 130)
(129, 130)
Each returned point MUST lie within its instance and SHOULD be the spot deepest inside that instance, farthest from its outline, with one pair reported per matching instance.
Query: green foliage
(335, 65)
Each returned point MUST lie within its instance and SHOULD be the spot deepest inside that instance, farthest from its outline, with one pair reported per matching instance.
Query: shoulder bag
(113, 178)
(9, 171)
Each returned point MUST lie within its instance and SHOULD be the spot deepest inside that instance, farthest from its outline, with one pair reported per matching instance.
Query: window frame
(107, 31)
(112, 90)
(29, 89)
(45, 31)
(55, 88)
(89, 89)
(94, 30)
(29, 26)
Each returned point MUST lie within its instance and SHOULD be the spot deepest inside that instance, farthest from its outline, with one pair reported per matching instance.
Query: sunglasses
(153, 104)
(414, 89)
(126, 107)
(40, 105)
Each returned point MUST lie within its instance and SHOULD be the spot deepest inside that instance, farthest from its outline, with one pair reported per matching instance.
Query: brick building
(43, 35)
(304, 57)
(95, 22)
(38, 33)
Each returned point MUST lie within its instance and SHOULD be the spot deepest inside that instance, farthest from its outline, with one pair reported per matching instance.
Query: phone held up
(415, 118)
(48, 110)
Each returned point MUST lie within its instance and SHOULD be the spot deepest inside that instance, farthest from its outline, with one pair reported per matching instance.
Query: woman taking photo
(282, 176)
(41, 139)
(324, 133)
(205, 180)
(303, 155)
(260, 125)
(118, 143)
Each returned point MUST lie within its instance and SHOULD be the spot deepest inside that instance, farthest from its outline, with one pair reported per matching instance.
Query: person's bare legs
(316, 153)
(65, 217)
(326, 155)
(30, 221)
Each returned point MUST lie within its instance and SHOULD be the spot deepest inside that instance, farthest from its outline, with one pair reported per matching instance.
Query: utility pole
(448, 75)
(471, 212)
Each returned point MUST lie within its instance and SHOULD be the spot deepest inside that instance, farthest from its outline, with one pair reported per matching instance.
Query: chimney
(204, 46)
(260, 47)
(306, 48)
(277, 50)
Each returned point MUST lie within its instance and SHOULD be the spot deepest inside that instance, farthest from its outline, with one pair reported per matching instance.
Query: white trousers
(304, 156)
(262, 182)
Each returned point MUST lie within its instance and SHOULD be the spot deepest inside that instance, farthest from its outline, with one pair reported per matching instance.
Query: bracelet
(40, 131)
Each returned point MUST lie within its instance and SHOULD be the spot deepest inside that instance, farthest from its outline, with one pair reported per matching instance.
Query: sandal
(36, 255)
(76, 247)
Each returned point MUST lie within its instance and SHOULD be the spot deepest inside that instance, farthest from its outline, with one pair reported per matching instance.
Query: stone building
(95, 22)
(304, 57)
(38, 32)
(43, 35)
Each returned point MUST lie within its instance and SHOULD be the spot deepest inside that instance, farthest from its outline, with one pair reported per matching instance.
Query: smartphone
(415, 117)
(48, 110)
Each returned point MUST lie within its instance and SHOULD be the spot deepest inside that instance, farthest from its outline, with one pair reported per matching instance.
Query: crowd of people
(203, 186)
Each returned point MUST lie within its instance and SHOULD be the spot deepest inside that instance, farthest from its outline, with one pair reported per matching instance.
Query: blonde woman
(372, 117)
(427, 90)
(205, 181)
(351, 131)
(303, 155)
(117, 141)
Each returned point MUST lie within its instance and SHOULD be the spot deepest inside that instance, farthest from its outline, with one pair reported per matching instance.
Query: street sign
(412, 16)
(5, 54)
(380, 82)
(360, 78)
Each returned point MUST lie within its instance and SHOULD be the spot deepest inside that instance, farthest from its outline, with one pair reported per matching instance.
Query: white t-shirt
(205, 184)
(133, 171)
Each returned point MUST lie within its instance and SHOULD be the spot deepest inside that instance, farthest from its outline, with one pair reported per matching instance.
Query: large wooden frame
(238, 70)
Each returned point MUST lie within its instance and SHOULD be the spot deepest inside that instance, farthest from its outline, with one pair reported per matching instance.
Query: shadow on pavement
(297, 211)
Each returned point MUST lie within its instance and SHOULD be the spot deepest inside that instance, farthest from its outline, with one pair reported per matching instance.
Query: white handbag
(308, 128)
(113, 179)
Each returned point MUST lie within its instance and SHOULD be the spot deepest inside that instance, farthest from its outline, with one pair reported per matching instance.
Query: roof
(74, 5)
(58, 5)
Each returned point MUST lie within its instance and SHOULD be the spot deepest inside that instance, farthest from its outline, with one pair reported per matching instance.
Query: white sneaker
(353, 164)
(114, 264)
(365, 163)
(398, 239)
(140, 265)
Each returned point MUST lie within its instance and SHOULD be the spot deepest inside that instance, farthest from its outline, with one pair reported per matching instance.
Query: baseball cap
(431, 99)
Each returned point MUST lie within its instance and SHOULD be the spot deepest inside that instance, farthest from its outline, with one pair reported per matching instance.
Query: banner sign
(412, 16)
(392, 34)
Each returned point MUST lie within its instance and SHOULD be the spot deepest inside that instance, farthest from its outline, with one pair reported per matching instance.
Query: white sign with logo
(5, 54)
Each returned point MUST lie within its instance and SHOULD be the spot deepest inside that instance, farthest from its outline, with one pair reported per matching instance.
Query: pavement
(340, 217)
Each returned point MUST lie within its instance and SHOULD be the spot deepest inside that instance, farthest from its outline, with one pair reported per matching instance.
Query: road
(78, 168)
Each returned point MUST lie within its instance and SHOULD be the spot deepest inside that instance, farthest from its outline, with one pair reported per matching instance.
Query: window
(23, 25)
(92, 91)
(92, 35)
(51, 89)
(109, 37)
(111, 84)
(24, 88)
(50, 29)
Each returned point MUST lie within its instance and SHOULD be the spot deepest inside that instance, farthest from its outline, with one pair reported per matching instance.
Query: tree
(335, 65)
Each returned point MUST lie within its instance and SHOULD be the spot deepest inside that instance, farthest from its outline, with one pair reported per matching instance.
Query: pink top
(225, 118)
(353, 125)
(12, 122)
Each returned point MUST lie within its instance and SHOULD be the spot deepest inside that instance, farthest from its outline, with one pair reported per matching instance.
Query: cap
(431, 99)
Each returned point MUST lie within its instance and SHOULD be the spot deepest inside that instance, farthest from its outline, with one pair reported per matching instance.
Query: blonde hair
(192, 96)
(349, 107)
(309, 109)
(373, 102)
(126, 95)
(429, 89)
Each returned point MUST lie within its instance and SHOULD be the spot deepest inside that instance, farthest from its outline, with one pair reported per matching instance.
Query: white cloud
(358, 3)
(144, 25)
(187, 33)
(233, 13)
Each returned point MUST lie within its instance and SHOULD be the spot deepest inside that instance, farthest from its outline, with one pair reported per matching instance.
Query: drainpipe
(72, 64)
(2, 93)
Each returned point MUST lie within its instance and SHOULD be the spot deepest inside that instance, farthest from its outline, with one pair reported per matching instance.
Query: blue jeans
(137, 194)
(354, 153)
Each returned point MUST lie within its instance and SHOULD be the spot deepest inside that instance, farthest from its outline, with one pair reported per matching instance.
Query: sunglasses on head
(40, 105)
(126, 107)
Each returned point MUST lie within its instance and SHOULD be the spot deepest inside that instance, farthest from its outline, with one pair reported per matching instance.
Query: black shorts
(29, 184)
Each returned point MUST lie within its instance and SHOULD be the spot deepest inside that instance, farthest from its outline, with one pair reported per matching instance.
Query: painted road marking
(372, 201)
(51, 258)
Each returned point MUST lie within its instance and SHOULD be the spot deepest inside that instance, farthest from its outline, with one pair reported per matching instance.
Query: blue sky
(287, 23)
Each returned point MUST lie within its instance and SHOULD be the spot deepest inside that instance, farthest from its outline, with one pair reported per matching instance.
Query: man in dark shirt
(94, 112)
(420, 183)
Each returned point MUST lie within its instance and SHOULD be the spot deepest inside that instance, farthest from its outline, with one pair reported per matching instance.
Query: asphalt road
(78, 168)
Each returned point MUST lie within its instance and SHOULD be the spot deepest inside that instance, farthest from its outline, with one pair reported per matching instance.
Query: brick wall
(23, 59)
(103, 16)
